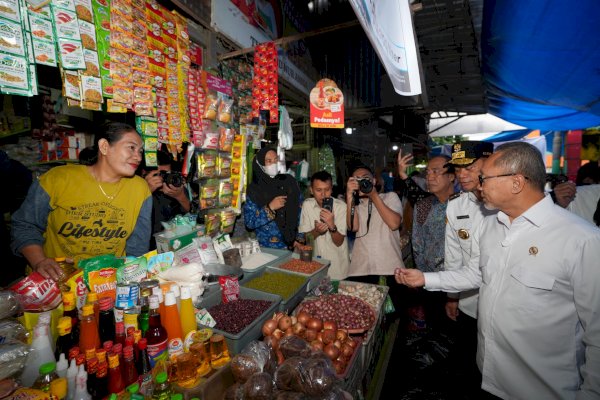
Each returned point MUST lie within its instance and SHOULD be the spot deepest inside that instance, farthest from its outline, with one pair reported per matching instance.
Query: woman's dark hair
(112, 132)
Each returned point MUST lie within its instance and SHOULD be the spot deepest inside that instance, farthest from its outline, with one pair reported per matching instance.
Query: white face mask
(270, 170)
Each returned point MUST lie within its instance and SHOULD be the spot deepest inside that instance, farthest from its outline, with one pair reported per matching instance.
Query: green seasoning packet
(132, 271)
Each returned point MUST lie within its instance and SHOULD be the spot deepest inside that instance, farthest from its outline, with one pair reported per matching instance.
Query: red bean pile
(234, 316)
(347, 311)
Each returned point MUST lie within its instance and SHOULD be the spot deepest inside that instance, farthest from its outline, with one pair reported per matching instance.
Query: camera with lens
(554, 179)
(173, 178)
(365, 185)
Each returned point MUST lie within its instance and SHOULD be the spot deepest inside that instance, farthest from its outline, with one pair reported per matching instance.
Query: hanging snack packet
(211, 107)
(224, 166)
(226, 136)
(225, 193)
(230, 288)
(227, 221)
(36, 293)
(213, 223)
(207, 164)
(224, 115)
(209, 194)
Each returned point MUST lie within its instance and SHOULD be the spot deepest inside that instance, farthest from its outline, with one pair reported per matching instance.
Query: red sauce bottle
(130, 374)
(115, 379)
(156, 335)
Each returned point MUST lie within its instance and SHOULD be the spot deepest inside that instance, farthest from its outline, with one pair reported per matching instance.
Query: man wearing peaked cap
(467, 152)
(464, 212)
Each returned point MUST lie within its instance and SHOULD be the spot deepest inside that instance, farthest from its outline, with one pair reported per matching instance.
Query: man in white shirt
(327, 226)
(537, 268)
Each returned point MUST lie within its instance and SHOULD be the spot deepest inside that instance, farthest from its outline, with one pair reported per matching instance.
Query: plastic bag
(11, 329)
(289, 375)
(285, 134)
(259, 387)
(254, 358)
(293, 346)
(319, 376)
(388, 306)
(36, 293)
(9, 304)
(13, 356)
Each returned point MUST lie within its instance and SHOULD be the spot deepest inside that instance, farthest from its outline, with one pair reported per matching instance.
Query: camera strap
(370, 211)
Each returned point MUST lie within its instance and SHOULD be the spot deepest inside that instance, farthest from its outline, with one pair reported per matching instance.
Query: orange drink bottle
(88, 331)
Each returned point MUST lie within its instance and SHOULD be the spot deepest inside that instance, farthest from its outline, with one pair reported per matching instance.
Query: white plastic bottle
(71, 379)
(41, 353)
(61, 366)
(81, 392)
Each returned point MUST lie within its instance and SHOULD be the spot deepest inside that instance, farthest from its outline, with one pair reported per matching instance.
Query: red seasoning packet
(37, 293)
(230, 288)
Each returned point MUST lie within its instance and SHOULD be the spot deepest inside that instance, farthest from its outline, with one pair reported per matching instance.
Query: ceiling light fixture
(348, 131)
(395, 147)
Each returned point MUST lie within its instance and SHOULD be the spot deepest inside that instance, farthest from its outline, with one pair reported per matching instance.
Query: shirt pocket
(531, 289)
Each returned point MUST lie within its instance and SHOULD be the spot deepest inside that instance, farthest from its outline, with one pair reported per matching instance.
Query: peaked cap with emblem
(467, 152)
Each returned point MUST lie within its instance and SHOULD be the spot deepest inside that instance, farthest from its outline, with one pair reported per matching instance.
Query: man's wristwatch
(333, 230)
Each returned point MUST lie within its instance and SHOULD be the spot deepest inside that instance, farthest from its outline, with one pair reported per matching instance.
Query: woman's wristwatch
(333, 230)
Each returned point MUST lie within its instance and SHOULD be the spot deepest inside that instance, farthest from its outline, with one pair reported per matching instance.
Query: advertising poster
(326, 105)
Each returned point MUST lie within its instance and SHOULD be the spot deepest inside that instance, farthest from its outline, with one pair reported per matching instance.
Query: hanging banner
(326, 105)
(389, 26)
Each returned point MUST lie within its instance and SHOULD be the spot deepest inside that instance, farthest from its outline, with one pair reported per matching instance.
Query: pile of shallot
(324, 336)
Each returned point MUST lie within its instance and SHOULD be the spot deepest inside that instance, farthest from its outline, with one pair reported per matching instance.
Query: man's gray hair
(522, 158)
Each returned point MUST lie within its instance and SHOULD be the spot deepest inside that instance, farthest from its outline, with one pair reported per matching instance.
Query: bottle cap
(68, 299)
(101, 355)
(47, 368)
(80, 359)
(107, 346)
(142, 343)
(64, 326)
(161, 377)
(186, 293)
(73, 352)
(113, 360)
(137, 335)
(102, 369)
(128, 352)
(176, 396)
(92, 365)
(133, 388)
(120, 328)
(92, 297)
(113, 397)
(175, 289)
(130, 331)
(170, 299)
(90, 353)
(88, 309)
(105, 303)
(117, 348)
(60, 259)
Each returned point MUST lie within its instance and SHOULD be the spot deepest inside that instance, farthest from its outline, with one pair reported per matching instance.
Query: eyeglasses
(483, 178)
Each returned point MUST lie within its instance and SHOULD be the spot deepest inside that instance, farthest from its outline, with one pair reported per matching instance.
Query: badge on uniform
(533, 251)
(463, 234)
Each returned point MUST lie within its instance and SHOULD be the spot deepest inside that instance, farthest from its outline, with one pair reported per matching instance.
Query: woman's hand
(49, 268)
(277, 203)
(403, 163)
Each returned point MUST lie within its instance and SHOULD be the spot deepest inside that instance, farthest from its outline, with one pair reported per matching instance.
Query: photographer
(376, 219)
(169, 196)
(325, 219)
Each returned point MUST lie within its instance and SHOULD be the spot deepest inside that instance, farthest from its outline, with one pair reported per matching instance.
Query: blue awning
(541, 62)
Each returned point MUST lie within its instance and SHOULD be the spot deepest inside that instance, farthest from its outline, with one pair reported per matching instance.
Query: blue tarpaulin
(541, 62)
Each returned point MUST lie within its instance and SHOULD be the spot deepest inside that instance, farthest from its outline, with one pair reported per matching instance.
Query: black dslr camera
(173, 178)
(554, 179)
(365, 185)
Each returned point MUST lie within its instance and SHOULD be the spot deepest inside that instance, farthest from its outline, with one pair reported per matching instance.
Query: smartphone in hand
(328, 203)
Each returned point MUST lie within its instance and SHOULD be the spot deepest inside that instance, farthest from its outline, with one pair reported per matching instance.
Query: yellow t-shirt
(84, 222)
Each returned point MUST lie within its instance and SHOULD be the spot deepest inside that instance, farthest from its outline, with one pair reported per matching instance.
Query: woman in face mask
(273, 201)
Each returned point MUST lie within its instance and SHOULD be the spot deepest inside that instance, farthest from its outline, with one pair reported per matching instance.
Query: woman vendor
(273, 201)
(81, 211)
